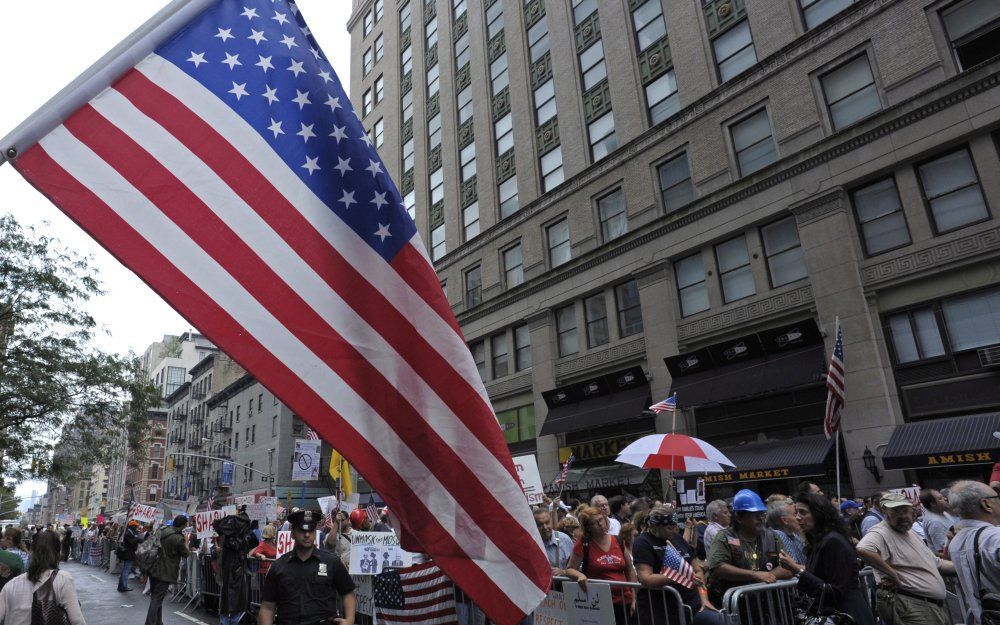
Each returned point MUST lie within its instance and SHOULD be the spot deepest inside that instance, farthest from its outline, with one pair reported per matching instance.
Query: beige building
(630, 198)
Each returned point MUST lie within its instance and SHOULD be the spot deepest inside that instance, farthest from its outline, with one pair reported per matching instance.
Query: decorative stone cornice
(594, 359)
(509, 386)
(879, 271)
(776, 304)
(818, 207)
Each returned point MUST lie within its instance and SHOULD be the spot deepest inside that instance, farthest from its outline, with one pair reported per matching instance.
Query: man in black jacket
(126, 553)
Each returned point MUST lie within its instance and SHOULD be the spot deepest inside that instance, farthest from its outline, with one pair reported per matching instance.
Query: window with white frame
(850, 92)
(592, 65)
(629, 308)
(603, 140)
(468, 161)
(459, 8)
(465, 105)
(462, 50)
(649, 24)
(406, 60)
(785, 260)
(431, 33)
(951, 187)
(379, 47)
(437, 185)
(504, 130)
(815, 12)
(379, 133)
(494, 18)
(734, 51)
(434, 131)
(662, 98)
(473, 287)
(498, 74)
(470, 220)
(753, 143)
(552, 169)
(379, 89)
(557, 242)
(405, 14)
(367, 62)
(566, 336)
(366, 102)
(735, 274)
(408, 155)
(611, 213)
(538, 39)
(545, 102)
(595, 316)
(692, 286)
(522, 347)
(507, 191)
(433, 80)
(880, 217)
(513, 266)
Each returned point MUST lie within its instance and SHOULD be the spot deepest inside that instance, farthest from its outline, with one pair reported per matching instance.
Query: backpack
(147, 554)
(45, 609)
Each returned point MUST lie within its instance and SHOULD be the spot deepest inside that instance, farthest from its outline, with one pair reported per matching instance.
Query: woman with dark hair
(831, 569)
(44, 580)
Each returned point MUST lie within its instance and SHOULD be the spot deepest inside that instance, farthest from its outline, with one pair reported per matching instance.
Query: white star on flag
(264, 63)
(257, 36)
(224, 34)
(383, 232)
(289, 41)
(379, 200)
(315, 52)
(325, 76)
(296, 68)
(239, 90)
(249, 13)
(368, 140)
(197, 59)
(375, 167)
(348, 199)
(232, 60)
(275, 127)
(271, 94)
(306, 133)
(311, 164)
(343, 165)
(333, 103)
(301, 98)
(338, 133)
(280, 18)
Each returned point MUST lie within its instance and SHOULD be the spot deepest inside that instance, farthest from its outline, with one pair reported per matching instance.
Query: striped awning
(951, 441)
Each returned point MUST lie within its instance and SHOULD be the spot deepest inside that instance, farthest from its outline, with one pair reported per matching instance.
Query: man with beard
(911, 589)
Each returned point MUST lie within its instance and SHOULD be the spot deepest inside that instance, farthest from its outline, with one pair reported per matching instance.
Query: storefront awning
(944, 442)
(775, 460)
(617, 407)
(607, 477)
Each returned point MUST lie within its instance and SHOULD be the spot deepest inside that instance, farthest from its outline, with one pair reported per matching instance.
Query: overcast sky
(48, 43)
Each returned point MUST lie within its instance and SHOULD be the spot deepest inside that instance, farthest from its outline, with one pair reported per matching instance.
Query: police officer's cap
(305, 520)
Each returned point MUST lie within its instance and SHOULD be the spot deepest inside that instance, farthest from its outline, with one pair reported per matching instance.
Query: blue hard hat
(748, 501)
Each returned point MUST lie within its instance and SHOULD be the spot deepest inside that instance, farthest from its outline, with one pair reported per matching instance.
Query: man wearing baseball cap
(911, 589)
(307, 586)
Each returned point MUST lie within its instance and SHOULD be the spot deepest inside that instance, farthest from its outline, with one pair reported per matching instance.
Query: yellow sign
(607, 448)
(84, 522)
(968, 458)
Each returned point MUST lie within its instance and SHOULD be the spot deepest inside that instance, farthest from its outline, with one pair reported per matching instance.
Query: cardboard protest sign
(270, 507)
(257, 512)
(203, 522)
(552, 610)
(143, 513)
(588, 607)
(284, 543)
(305, 464)
(243, 500)
(364, 594)
(328, 503)
(229, 510)
(531, 482)
(373, 552)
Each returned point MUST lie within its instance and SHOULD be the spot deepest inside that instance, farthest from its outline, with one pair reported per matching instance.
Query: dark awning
(775, 460)
(600, 411)
(753, 377)
(601, 477)
(944, 442)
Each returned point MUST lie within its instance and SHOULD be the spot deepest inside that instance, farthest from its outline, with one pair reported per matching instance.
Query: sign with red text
(143, 513)
(284, 543)
(203, 522)
(531, 481)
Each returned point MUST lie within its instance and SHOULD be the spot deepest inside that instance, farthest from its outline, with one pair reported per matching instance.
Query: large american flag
(419, 594)
(676, 568)
(229, 170)
(835, 386)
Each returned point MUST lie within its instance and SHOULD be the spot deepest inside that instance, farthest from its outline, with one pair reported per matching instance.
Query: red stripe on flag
(417, 618)
(121, 240)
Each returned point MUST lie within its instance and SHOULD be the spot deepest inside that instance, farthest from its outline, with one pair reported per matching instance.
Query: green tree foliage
(53, 380)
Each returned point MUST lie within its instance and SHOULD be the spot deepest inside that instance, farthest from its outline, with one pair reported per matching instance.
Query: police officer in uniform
(305, 586)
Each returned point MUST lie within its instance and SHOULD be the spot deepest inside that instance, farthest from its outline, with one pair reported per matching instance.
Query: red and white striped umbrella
(675, 452)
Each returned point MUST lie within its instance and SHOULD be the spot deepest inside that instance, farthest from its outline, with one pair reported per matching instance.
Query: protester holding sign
(599, 555)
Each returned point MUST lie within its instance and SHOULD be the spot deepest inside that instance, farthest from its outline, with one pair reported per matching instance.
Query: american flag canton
(419, 594)
(261, 59)
(676, 568)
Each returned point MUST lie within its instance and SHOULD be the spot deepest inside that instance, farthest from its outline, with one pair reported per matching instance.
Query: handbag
(989, 602)
(45, 609)
(815, 614)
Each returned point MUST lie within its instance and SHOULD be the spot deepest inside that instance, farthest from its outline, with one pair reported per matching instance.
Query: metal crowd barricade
(760, 604)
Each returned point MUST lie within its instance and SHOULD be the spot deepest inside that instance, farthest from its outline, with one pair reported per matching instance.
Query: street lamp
(871, 463)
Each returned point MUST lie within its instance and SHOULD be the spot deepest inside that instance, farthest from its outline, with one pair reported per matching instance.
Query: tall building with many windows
(625, 199)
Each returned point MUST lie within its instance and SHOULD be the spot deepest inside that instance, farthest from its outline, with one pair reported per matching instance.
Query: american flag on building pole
(228, 170)
(667, 405)
(676, 568)
(419, 594)
(835, 386)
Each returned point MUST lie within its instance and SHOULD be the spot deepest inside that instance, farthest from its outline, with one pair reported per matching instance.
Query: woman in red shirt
(267, 550)
(605, 559)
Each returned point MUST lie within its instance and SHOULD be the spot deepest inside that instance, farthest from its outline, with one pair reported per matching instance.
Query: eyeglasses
(990, 497)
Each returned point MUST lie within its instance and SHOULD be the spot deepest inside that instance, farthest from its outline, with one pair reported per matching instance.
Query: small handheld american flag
(835, 386)
(565, 471)
(371, 511)
(667, 405)
(676, 568)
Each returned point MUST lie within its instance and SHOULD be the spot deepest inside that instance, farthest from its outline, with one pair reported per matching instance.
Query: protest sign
(143, 513)
(326, 504)
(373, 552)
(257, 512)
(284, 544)
(270, 507)
(552, 610)
(244, 500)
(911, 492)
(203, 522)
(228, 510)
(363, 594)
(531, 482)
(305, 464)
(691, 492)
(588, 607)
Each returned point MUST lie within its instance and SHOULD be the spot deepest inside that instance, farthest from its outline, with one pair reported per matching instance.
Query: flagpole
(837, 451)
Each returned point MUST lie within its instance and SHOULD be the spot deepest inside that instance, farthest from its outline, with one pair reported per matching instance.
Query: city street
(104, 605)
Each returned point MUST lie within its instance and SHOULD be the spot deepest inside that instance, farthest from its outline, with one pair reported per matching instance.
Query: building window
(434, 131)
(582, 9)
(438, 244)
(406, 60)
(408, 155)
(473, 287)
(816, 12)
(850, 93)
(522, 348)
(404, 17)
(557, 239)
(753, 143)
(462, 51)
(459, 9)
(675, 183)
(611, 212)
(603, 140)
(974, 31)
(468, 161)
(734, 51)
(661, 96)
(478, 350)
(545, 102)
(274, 426)
(379, 47)
(513, 266)
(470, 220)
(596, 317)
(734, 269)
(366, 102)
(410, 204)
(972, 320)
(518, 424)
(367, 62)
(915, 335)
(504, 130)
(379, 10)
(498, 74)
(952, 190)
(566, 330)
(253, 433)
(880, 217)
(260, 402)
(785, 261)
(175, 378)
(508, 197)
(431, 33)
(552, 169)
(629, 309)
(649, 24)
(538, 39)
(433, 80)
(407, 106)
(437, 185)
(494, 18)
(692, 288)
(379, 133)
(465, 105)
(592, 65)
(498, 352)
(369, 23)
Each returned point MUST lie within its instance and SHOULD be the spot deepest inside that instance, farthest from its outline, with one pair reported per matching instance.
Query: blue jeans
(230, 619)
(123, 578)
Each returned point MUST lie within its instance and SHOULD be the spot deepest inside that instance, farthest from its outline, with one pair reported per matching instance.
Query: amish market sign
(940, 460)
(595, 450)
(756, 475)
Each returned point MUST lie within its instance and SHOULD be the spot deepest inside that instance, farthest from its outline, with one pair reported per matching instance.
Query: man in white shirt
(936, 524)
(978, 506)
(601, 503)
(719, 517)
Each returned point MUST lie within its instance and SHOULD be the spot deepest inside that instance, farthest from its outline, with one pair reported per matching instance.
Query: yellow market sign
(595, 450)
